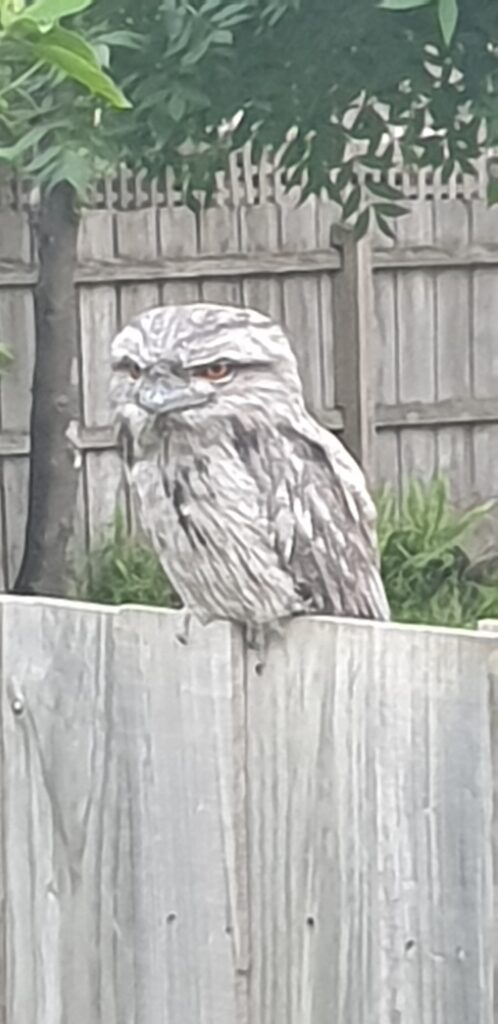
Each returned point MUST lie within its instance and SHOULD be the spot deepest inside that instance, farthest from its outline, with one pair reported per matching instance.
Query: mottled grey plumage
(255, 511)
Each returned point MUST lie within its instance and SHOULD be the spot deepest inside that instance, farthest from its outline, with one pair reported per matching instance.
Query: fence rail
(184, 839)
(396, 343)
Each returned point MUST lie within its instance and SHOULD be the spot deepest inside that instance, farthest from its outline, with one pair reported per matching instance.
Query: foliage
(122, 570)
(307, 77)
(427, 574)
(415, 79)
(47, 73)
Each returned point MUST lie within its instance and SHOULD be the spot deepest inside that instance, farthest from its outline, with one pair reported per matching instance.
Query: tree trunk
(53, 477)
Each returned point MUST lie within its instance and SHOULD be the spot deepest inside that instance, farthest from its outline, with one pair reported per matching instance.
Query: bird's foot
(257, 641)
(184, 632)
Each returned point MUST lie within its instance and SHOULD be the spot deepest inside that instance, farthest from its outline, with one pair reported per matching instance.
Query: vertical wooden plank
(137, 239)
(3, 550)
(387, 459)
(177, 238)
(485, 312)
(484, 231)
(415, 295)
(484, 222)
(356, 347)
(455, 460)
(103, 482)
(15, 236)
(485, 441)
(301, 310)
(18, 332)
(454, 357)
(328, 213)
(219, 233)
(125, 792)
(416, 306)
(491, 626)
(186, 802)
(369, 827)
(260, 234)
(385, 310)
(451, 231)
(416, 355)
(418, 455)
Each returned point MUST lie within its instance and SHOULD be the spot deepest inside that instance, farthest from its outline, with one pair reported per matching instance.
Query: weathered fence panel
(185, 840)
(428, 400)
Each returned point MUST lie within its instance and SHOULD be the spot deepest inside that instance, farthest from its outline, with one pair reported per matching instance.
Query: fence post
(355, 336)
(491, 626)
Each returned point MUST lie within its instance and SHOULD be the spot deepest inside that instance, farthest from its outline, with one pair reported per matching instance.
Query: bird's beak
(162, 396)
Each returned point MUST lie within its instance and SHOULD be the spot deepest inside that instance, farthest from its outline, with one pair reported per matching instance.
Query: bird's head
(198, 363)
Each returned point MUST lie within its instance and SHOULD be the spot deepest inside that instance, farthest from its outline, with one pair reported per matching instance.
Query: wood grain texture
(491, 626)
(301, 299)
(102, 485)
(260, 235)
(356, 355)
(369, 826)
(178, 240)
(17, 331)
(185, 840)
(124, 787)
(137, 239)
(219, 234)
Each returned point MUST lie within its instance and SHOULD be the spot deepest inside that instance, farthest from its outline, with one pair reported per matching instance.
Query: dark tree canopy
(330, 71)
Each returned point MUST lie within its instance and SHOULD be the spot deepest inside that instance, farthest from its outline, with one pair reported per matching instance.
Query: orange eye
(214, 372)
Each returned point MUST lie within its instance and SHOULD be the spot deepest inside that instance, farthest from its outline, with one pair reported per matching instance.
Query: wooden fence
(184, 840)
(416, 371)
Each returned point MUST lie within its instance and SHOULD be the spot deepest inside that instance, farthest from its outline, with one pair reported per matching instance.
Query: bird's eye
(214, 372)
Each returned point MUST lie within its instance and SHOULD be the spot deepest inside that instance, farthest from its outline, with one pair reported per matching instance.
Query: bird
(256, 512)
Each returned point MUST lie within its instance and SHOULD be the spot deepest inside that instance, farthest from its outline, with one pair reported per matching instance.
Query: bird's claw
(184, 632)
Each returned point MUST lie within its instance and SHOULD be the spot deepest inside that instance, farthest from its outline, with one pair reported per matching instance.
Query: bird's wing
(325, 524)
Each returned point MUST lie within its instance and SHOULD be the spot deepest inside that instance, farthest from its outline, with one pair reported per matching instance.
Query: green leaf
(390, 210)
(13, 153)
(361, 227)
(352, 202)
(196, 51)
(448, 17)
(447, 170)
(345, 175)
(383, 190)
(223, 37)
(492, 191)
(73, 168)
(403, 5)
(61, 54)
(42, 159)
(129, 40)
(384, 225)
(52, 10)
(177, 106)
(233, 13)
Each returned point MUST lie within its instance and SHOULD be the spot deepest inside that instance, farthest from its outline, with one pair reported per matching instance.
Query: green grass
(428, 575)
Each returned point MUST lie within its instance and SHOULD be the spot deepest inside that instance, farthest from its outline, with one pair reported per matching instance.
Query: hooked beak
(160, 397)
